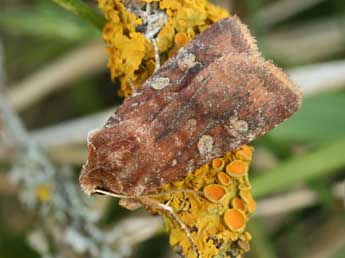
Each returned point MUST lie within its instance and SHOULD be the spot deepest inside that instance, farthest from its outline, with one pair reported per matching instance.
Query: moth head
(108, 155)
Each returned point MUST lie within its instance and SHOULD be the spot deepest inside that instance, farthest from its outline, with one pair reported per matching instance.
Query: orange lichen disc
(181, 38)
(248, 198)
(214, 192)
(235, 220)
(223, 178)
(218, 164)
(237, 168)
(238, 204)
(245, 152)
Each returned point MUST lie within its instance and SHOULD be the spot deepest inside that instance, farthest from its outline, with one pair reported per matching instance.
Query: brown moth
(216, 94)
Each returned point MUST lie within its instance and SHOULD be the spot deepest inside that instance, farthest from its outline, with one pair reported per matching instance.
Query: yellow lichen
(43, 192)
(131, 55)
(223, 178)
(214, 213)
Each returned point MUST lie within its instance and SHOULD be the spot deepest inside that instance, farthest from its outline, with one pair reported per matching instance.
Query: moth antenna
(99, 191)
(170, 212)
(148, 195)
(146, 200)
(157, 58)
(174, 191)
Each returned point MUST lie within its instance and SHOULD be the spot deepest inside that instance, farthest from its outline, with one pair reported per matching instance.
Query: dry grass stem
(86, 60)
(324, 38)
(293, 201)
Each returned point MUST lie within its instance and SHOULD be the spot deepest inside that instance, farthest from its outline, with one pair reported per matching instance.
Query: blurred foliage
(323, 161)
(309, 148)
(321, 119)
(83, 10)
(46, 20)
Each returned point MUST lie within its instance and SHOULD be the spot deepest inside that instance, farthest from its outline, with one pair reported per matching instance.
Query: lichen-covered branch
(69, 228)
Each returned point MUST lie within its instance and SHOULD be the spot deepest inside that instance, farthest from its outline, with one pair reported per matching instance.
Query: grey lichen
(205, 145)
(159, 83)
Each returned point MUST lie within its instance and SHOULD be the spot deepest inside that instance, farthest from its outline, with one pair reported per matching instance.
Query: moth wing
(236, 99)
(216, 94)
(228, 36)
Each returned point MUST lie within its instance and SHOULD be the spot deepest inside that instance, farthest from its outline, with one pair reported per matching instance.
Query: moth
(215, 95)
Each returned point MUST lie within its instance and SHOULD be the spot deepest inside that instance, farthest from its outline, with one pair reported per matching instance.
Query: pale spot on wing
(236, 127)
(159, 83)
(205, 145)
(186, 62)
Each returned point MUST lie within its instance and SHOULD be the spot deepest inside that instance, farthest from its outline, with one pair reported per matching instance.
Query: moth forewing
(216, 94)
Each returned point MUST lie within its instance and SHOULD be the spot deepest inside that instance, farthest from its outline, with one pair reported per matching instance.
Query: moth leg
(157, 58)
(170, 212)
(134, 90)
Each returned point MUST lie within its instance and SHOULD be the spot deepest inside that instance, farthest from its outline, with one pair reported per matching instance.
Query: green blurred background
(55, 69)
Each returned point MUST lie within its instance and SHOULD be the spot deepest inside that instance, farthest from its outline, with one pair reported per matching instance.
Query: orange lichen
(181, 38)
(223, 178)
(218, 164)
(237, 203)
(214, 212)
(245, 152)
(237, 168)
(131, 54)
(214, 192)
(235, 220)
(248, 198)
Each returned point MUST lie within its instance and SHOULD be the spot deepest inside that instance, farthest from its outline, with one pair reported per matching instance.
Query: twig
(89, 59)
(134, 230)
(157, 58)
(153, 18)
